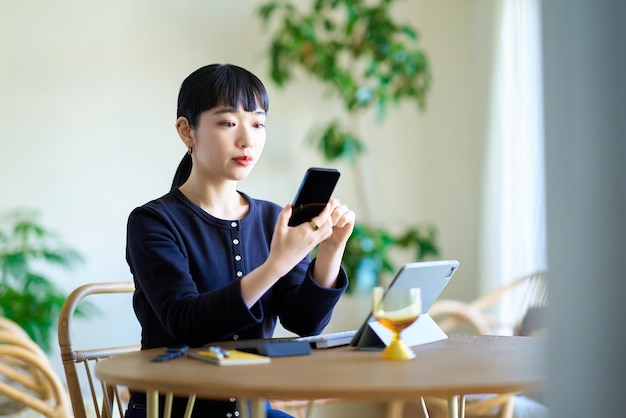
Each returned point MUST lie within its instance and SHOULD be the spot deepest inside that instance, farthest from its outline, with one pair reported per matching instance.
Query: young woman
(211, 263)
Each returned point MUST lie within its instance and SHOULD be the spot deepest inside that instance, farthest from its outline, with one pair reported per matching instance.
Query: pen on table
(171, 353)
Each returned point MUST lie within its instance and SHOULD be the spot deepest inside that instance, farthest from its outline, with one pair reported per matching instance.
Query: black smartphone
(315, 190)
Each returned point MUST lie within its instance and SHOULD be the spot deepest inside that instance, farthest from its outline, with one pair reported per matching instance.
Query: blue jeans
(275, 413)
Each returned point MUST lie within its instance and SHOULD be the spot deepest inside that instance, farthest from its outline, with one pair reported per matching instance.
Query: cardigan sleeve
(308, 307)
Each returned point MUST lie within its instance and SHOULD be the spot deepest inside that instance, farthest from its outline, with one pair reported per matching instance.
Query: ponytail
(182, 172)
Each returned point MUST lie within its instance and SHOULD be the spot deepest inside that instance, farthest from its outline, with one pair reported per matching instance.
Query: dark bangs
(220, 85)
(236, 86)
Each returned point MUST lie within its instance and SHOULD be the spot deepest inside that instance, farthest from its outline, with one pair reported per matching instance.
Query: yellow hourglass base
(397, 350)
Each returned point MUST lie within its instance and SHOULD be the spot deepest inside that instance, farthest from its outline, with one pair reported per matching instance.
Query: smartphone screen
(315, 190)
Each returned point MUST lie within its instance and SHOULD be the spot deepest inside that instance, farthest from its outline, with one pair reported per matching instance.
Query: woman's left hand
(342, 219)
(331, 249)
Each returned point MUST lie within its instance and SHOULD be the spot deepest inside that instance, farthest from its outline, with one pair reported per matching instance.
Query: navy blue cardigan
(187, 266)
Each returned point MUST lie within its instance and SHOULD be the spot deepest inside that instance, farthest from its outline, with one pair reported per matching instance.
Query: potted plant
(27, 295)
(367, 61)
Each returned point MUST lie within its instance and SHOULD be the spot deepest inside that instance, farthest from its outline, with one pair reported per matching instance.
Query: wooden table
(449, 368)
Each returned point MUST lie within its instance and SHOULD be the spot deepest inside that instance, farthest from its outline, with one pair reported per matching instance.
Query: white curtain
(513, 218)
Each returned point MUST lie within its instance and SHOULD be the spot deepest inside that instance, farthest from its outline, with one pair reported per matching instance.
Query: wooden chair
(26, 375)
(526, 299)
(107, 400)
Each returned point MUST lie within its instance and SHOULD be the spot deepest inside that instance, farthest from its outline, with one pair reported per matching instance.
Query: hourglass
(396, 309)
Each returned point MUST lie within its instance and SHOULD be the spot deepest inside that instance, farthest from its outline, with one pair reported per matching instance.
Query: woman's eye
(229, 124)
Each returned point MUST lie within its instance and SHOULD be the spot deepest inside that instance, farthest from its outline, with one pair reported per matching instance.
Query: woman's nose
(245, 138)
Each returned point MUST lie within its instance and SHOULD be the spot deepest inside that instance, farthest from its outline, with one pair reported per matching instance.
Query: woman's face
(228, 142)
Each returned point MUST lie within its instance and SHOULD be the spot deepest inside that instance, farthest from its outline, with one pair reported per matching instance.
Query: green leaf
(335, 142)
(27, 295)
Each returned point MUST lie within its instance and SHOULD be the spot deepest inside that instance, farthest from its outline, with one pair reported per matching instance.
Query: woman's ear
(184, 131)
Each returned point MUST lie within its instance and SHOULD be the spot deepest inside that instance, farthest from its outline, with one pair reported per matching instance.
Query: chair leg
(453, 406)
(309, 409)
(152, 400)
(507, 408)
(395, 409)
(169, 401)
(462, 406)
(424, 409)
(190, 403)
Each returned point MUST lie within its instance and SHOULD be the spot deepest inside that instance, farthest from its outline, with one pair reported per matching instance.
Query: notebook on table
(431, 277)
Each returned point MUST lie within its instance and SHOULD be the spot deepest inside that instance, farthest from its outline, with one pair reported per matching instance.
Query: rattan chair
(26, 376)
(526, 297)
(108, 401)
(8, 325)
(12, 333)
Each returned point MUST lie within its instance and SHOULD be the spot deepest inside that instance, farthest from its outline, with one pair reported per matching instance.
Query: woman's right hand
(290, 244)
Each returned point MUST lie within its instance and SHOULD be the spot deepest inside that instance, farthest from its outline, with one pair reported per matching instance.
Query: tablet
(431, 277)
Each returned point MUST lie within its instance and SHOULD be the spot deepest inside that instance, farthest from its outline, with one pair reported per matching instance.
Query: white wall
(88, 105)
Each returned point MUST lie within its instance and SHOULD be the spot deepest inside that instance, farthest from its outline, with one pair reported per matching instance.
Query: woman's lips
(244, 161)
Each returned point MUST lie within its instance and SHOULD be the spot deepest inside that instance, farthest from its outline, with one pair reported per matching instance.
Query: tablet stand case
(373, 336)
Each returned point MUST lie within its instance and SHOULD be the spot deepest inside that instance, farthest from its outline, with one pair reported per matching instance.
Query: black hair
(211, 86)
(220, 85)
(182, 172)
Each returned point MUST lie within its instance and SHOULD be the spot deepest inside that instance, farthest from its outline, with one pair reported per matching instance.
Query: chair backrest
(26, 375)
(107, 400)
(522, 300)
(12, 333)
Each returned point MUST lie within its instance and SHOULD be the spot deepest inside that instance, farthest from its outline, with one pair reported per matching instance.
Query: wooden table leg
(190, 403)
(259, 408)
(167, 408)
(253, 408)
(244, 408)
(462, 406)
(453, 407)
(394, 409)
(152, 404)
(152, 407)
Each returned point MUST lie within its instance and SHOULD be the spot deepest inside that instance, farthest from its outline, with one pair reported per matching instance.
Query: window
(513, 232)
